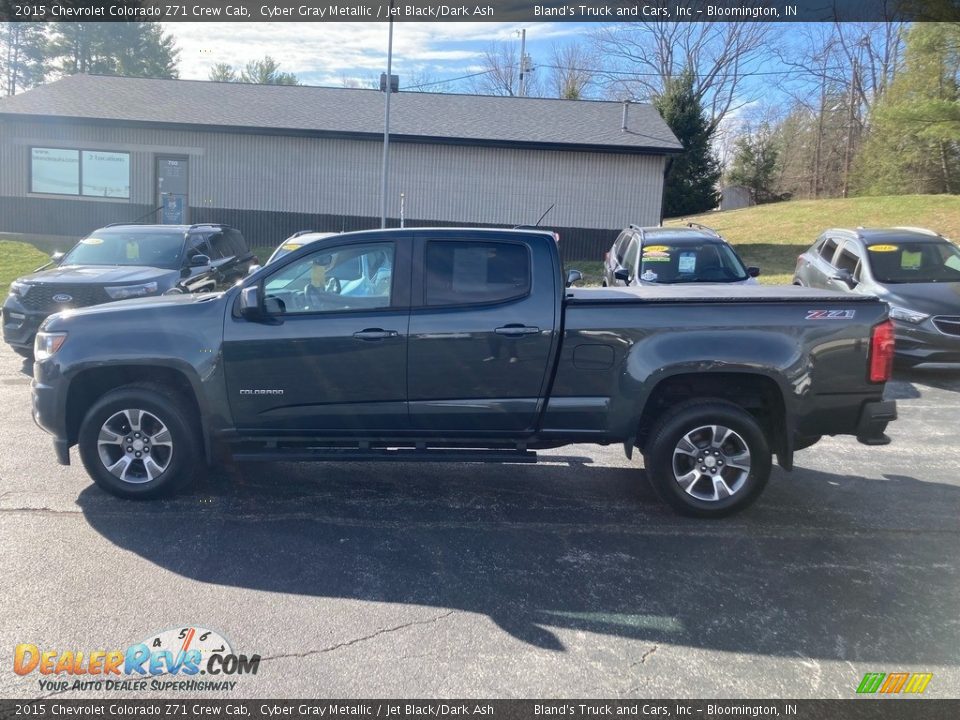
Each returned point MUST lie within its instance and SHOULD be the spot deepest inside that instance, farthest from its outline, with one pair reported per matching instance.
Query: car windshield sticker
(292, 246)
(687, 263)
(92, 241)
(133, 250)
(649, 276)
(654, 249)
(883, 248)
(656, 258)
(911, 260)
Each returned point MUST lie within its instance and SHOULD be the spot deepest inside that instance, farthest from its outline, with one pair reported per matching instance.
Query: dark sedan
(916, 271)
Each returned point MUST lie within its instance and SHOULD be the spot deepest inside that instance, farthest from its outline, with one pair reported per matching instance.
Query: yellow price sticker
(656, 249)
(883, 248)
(92, 241)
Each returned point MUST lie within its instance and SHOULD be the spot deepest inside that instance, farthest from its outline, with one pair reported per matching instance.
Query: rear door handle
(516, 330)
(375, 334)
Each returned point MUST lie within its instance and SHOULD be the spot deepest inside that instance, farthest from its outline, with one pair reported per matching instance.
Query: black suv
(118, 262)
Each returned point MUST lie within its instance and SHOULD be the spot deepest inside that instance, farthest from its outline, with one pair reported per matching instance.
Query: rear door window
(475, 272)
(828, 250)
(848, 259)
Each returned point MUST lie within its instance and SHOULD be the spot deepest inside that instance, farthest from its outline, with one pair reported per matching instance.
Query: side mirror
(250, 303)
(253, 268)
(753, 271)
(199, 261)
(574, 276)
(621, 273)
(845, 276)
(57, 257)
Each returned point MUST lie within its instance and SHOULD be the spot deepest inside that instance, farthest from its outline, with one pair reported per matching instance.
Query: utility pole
(386, 125)
(848, 151)
(523, 58)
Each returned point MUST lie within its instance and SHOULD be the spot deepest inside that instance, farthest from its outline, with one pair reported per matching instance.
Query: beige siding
(311, 175)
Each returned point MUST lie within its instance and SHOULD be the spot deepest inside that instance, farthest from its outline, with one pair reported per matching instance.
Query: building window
(92, 173)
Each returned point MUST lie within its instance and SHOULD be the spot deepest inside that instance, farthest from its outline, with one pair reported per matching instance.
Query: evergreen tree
(755, 164)
(132, 49)
(691, 182)
(914, 140)
(23, 55)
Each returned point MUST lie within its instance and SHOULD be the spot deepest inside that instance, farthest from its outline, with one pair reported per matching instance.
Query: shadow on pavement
(824, 566)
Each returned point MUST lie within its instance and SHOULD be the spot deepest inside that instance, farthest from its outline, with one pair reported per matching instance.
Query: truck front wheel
(708, 458)
(139, 442)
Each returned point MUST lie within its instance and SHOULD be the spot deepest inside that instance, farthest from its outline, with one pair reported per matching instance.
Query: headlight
(47, 343)
(910, 316)
(18, 287)
(122, 292)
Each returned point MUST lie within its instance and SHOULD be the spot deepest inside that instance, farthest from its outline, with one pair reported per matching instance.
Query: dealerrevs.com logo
(169, 661)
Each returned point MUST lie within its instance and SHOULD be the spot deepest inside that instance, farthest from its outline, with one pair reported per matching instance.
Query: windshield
(915, 262)
(690, 262)
(158, 248)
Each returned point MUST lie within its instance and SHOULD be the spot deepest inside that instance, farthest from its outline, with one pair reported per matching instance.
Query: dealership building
(87, 150)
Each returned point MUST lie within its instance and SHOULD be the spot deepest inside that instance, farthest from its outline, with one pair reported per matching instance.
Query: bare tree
(573, 70)
(501, 72)
(640, 58)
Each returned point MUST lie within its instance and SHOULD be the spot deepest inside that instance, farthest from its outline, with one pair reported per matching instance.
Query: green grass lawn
(772, 236)
(16, 259)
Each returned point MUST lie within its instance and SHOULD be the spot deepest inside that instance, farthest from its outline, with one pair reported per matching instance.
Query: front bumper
(874, 417)
(19, 324)
(49, 406)
(923, 343)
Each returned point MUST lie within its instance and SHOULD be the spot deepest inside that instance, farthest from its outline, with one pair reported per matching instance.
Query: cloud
(324, 53)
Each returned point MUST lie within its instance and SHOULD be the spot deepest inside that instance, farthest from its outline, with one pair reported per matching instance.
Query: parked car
(124, 261)
(295, 242)
(915, 270)
(668, 255)
(465, 346)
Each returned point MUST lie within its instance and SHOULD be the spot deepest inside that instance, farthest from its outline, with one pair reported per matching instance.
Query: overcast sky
(326, 53)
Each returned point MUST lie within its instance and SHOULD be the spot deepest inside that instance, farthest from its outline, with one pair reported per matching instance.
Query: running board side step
(388, 455)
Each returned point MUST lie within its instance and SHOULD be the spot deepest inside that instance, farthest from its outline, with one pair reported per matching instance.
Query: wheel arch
(757, 393)
(90, 384)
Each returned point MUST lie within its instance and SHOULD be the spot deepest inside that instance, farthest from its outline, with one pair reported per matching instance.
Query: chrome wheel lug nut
(138, 454)
(129, 449)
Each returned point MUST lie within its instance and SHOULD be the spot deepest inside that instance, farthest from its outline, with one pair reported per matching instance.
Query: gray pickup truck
(461, 345)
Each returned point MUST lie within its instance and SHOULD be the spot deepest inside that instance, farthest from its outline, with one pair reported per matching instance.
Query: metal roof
(348, 112)
(893, 234)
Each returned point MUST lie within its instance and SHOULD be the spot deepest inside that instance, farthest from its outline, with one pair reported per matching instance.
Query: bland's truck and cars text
(462, 345)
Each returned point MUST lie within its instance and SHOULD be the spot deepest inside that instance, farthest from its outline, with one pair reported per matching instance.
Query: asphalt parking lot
(564, 579)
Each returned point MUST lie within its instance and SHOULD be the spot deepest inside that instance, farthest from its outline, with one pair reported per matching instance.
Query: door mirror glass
(574, 276)
(199, 261)
(56, 257)
(622, 273)
(250, 302)
(753, 271)
(253, 268)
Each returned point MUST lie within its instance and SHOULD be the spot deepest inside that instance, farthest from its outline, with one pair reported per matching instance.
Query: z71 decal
(830, 314)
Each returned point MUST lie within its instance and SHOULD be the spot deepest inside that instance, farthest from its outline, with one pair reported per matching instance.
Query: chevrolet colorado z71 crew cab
(461, 345)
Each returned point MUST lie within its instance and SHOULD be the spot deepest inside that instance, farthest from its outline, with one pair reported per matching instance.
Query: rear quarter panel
(614, 355)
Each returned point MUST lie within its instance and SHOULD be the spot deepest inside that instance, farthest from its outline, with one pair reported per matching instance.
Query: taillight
(881, 352)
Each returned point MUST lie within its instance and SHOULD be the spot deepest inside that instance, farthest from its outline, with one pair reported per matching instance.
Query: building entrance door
(172, 184)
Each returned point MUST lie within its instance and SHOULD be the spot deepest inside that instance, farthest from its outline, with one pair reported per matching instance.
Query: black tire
(155, 403)
(688, 419)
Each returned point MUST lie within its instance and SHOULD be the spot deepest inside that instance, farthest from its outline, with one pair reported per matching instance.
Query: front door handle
(375, 334)
(516, 330)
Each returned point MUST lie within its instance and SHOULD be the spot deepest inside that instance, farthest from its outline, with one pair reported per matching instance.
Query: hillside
(772, 236)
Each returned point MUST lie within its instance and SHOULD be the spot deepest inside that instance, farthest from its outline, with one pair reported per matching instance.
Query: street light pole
(386, 125)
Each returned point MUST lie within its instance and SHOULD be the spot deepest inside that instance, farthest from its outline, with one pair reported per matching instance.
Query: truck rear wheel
(708, 458)
(140, 442)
